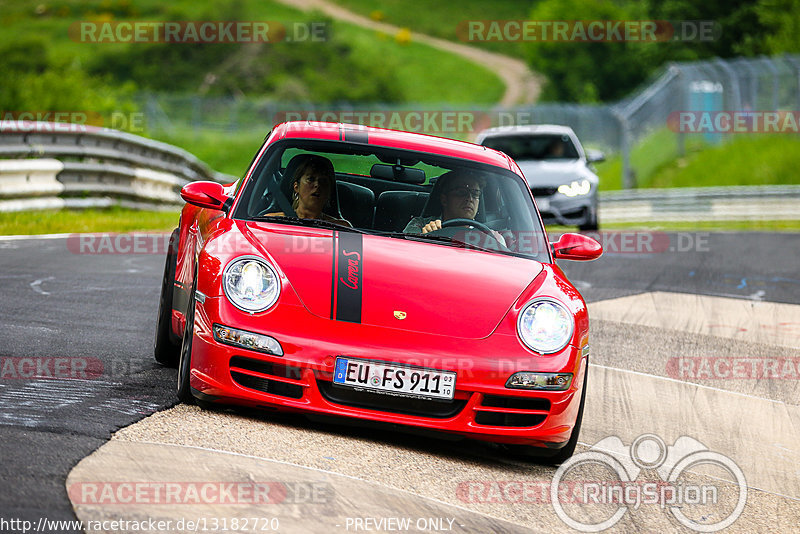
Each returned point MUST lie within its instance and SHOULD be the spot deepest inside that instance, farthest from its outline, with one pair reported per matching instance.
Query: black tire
(165, 348)
(591, 225)
(555, 456)
(185, 362)
(565, 452)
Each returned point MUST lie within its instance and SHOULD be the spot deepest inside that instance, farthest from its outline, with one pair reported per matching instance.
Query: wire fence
(708, 99)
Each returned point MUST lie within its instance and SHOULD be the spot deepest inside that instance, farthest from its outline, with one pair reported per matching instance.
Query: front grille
(518, 403)
(543, 191)
(509, 419)
(265, 385)
(389, 403)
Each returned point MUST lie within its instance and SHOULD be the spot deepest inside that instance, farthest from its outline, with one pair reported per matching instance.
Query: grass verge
(743, 160)
(125, 220)
(689, 226)
(439, 19)
(90, 220)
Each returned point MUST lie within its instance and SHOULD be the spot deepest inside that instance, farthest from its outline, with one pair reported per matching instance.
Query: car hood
(403, 284)
(552, 173)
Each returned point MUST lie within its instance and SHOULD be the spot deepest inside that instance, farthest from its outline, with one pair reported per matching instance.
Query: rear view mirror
(576, 247)
(397, 173)
(594, 156)
(205, 195)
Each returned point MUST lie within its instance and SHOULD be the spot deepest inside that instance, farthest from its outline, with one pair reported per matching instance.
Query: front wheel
(165, 348)
(185, 363)
(591, 224)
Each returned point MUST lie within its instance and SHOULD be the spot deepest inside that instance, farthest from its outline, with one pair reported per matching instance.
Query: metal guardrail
(733, 203)
(52, 165)
(101, 168)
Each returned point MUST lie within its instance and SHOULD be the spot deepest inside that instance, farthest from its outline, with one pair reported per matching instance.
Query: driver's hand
(432, 226)
(499, 237)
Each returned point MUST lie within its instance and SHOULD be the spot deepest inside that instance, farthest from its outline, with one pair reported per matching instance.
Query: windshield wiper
(438, 238)
(322, 223)
(312, 223)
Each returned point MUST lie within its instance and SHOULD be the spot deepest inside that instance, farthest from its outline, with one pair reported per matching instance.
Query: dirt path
(522, 85)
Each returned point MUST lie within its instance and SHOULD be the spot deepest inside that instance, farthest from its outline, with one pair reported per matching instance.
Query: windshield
(396, 194)
(536, 146)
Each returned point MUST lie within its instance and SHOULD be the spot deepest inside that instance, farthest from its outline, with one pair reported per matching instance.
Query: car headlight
(545, 326)
(251, 284)
(575, 189)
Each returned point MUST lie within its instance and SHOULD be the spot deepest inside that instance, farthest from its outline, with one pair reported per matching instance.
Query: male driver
(459, 197)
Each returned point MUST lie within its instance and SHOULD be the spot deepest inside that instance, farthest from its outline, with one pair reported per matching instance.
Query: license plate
(395, 379)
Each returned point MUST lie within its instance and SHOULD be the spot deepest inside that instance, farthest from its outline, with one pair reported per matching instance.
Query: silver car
(557, 169)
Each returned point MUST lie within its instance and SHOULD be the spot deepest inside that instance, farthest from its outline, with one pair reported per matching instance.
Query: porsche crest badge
(400, 315)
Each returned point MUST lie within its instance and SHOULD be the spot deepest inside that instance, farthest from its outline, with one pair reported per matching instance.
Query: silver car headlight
(251, 284)
(545, 326)
(576, 188)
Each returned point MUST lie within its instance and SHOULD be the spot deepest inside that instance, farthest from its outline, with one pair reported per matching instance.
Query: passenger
(313, 183)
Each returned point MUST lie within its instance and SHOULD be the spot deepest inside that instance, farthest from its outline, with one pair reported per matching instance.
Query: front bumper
(558, 209)
(301, 380)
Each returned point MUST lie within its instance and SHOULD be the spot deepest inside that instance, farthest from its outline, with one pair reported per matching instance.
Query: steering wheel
(468, 222)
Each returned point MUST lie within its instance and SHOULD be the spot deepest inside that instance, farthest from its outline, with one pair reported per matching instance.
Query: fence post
(774, 70)
(628, 179)
(792, 60)
(735, 93)
(683, 98)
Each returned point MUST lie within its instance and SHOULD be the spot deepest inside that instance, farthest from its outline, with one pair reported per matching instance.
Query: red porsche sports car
(380, 275)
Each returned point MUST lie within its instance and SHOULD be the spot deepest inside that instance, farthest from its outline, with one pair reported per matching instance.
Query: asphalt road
(93, 316)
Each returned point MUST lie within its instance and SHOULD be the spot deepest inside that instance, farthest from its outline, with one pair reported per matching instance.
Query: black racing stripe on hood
(352, 135)
(349, 277)
(334, 248)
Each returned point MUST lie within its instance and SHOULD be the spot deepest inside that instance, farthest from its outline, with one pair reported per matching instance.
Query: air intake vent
(266, 368)
(517, 403)
(509, 419)
(265, 385)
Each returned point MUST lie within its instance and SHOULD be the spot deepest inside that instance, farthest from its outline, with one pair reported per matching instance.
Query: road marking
(35, 236)
(36, 285)
(121, 460)
(739, 319)
(627, 403)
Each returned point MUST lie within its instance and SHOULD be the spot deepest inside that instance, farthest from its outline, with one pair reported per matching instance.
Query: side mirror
(594, 156)
(206, 195)
(576, 247)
